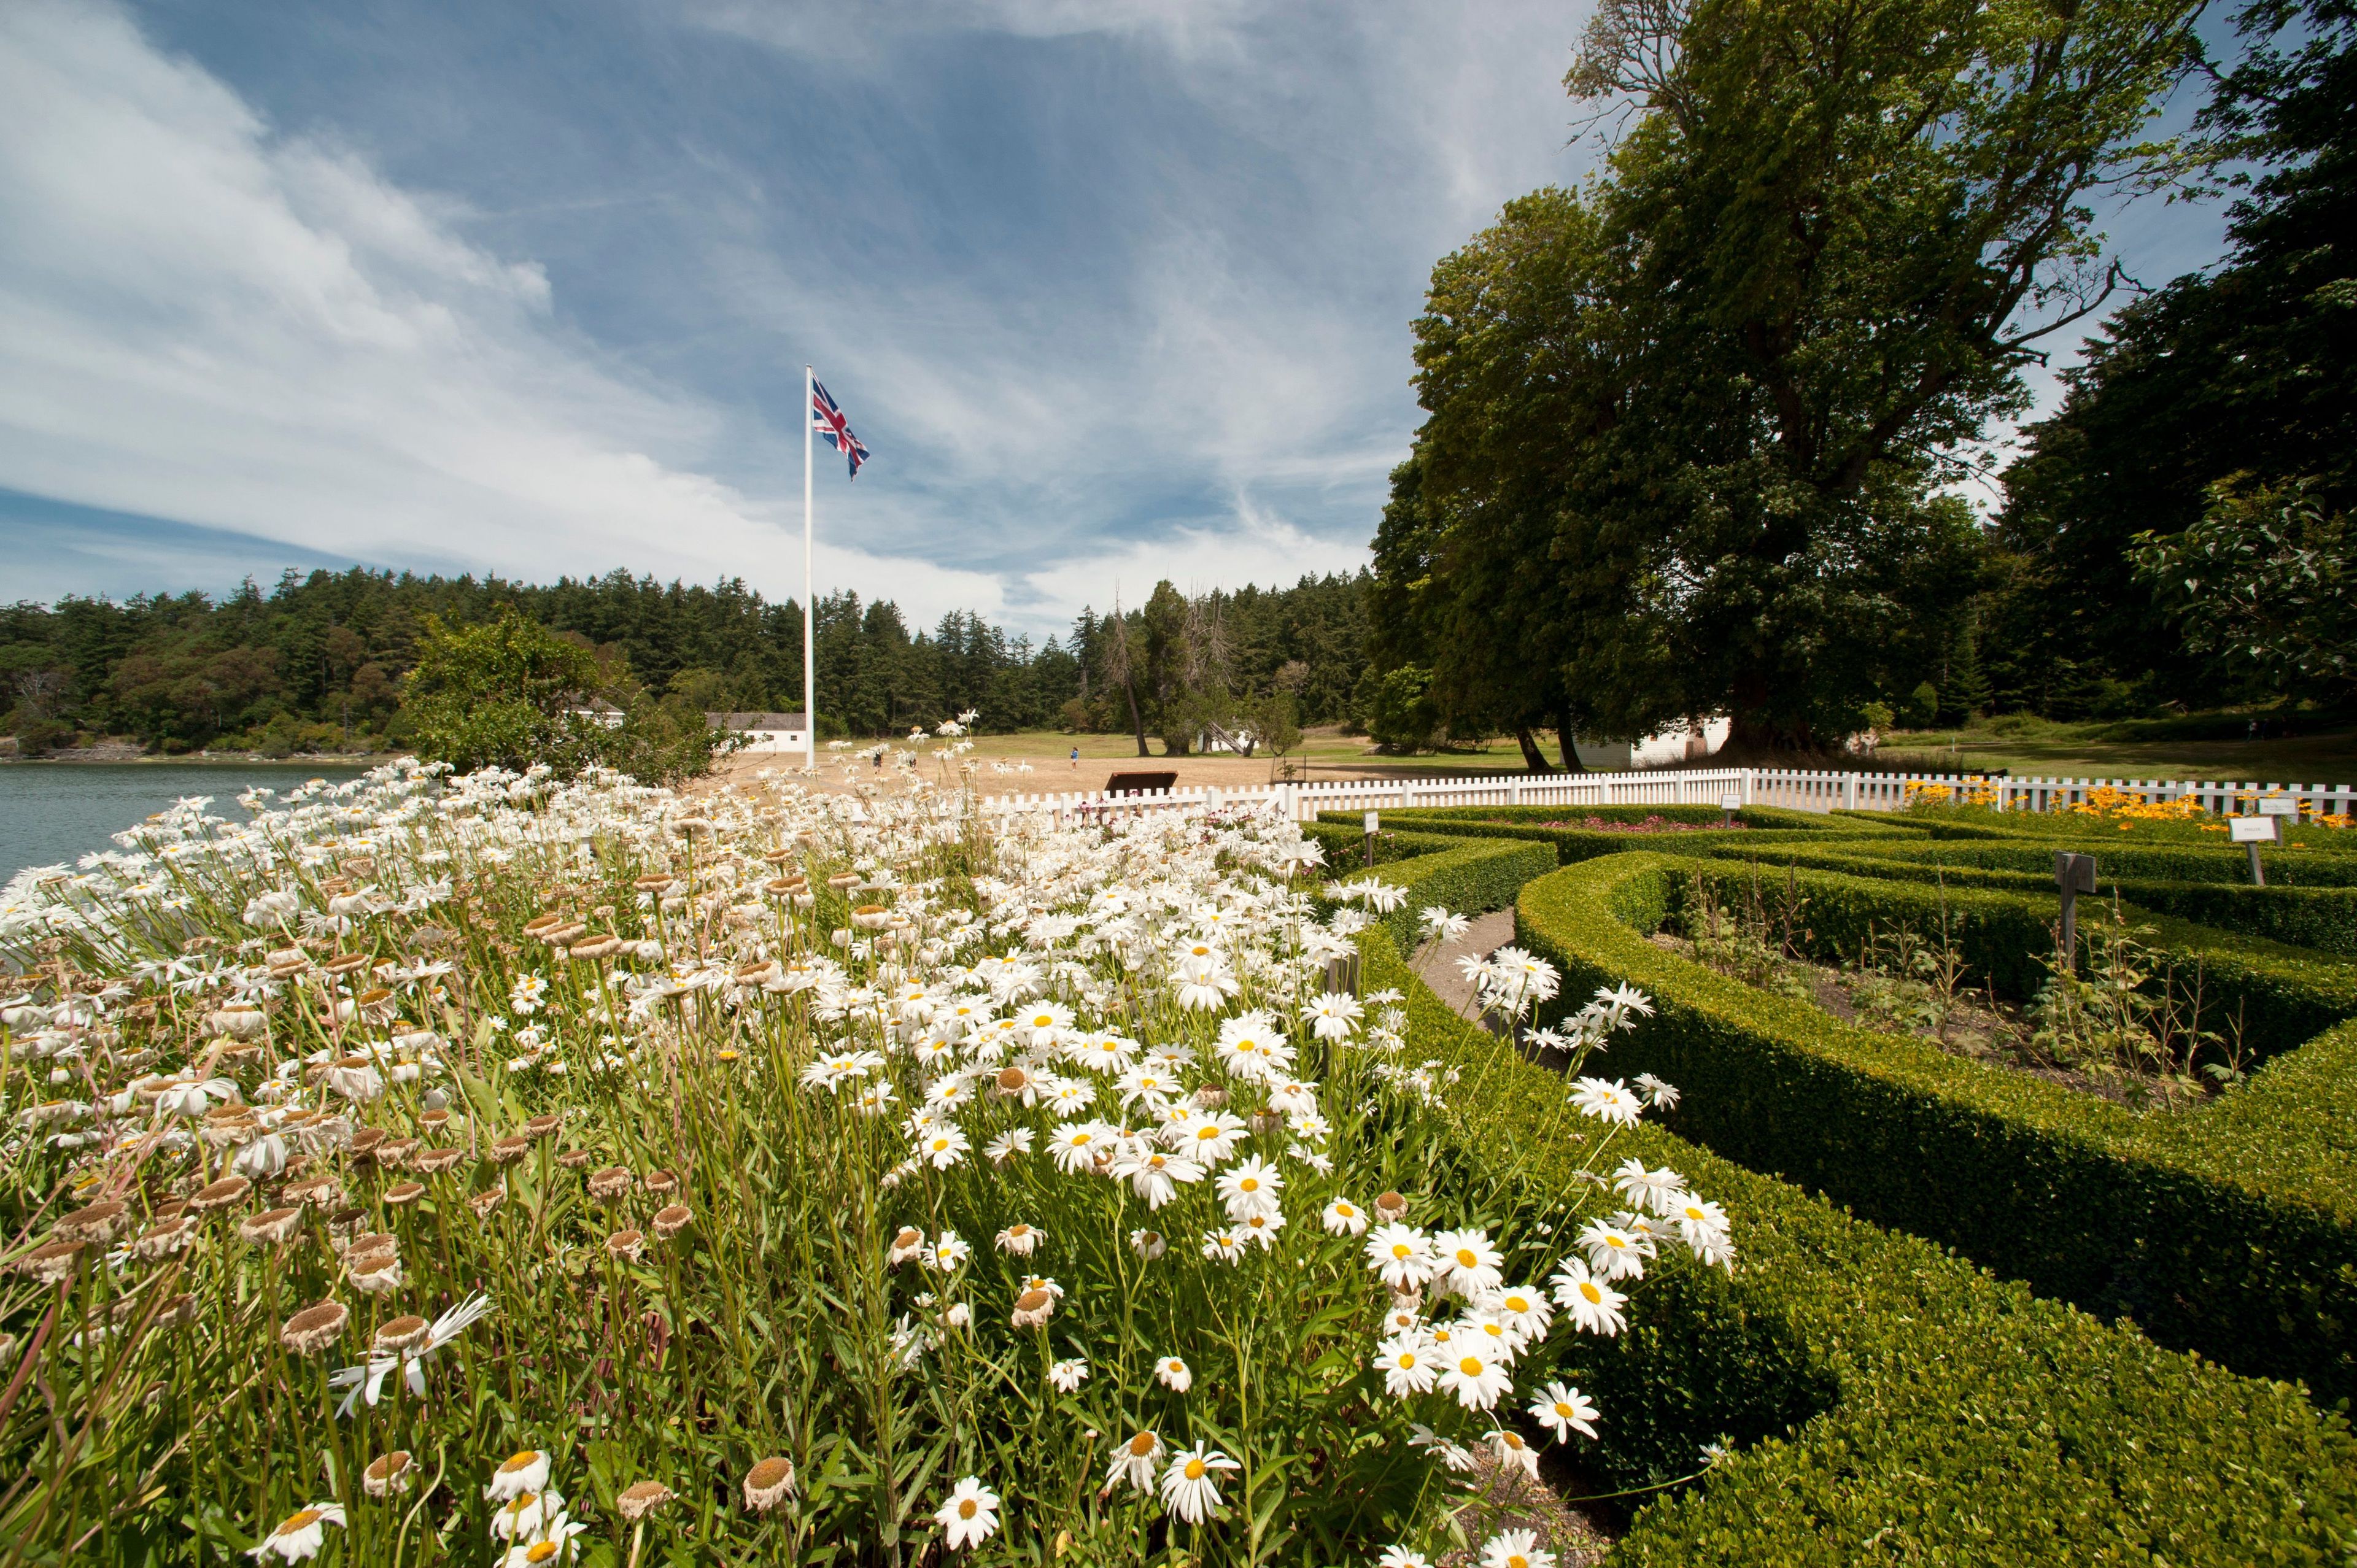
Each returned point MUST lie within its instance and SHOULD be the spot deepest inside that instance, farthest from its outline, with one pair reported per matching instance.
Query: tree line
(324, 661)
(1697, 431)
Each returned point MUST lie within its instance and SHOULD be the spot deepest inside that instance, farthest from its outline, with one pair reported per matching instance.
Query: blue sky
(1114, 291)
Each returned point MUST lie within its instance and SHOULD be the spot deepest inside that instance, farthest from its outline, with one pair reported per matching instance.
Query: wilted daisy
(1511, 1452)
(1148, 1244)
(1020, 1241)
(523, 1471)
(388, 1474)
(1226, 1246)
(768, 1483)
(970, 1515)
(640, 1498)
(1173, 1374)
(1135, 1460)
(1189, 1484)
(301, 1535)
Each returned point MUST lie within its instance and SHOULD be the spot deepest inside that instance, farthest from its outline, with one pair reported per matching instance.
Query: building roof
(754, 721)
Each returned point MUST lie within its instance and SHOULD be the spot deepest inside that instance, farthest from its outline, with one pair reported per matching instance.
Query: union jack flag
(834, 429)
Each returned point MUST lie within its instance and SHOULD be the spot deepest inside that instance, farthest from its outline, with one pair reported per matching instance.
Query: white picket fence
(1798, 788)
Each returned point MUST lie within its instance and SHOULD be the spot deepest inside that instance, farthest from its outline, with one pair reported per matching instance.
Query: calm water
(52, 812)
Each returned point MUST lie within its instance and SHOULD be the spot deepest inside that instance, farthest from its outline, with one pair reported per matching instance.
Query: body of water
(52, 812)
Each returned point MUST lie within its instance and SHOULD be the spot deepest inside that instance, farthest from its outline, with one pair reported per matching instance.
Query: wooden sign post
(2074, 875)
(1729, 804)
(2252, 832)
(1374, 825)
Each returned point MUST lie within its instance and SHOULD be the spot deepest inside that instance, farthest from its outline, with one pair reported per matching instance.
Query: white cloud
(212, 322)
(1196, 559)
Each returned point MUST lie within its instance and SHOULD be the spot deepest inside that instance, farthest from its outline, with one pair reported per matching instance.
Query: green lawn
(2128, 749)
(2026, 746)
(1321, 748)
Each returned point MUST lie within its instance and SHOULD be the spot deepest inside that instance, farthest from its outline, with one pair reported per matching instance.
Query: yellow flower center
(1517, 1559)
(541, 1551)
(1345, 1211)
(1595, 1297)
(1250, 1183)
(1407, 1359)
(1194, 1469)
(1465, 1259)
(968, 1509)
(1142, 1445)
(520, 1461)
(1470, 1366)
(1693, 1213)
(1563, 1409)
(1401, 1250)
(301, 1519)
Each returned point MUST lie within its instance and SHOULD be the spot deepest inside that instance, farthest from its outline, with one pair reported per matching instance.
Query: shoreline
(359, 759)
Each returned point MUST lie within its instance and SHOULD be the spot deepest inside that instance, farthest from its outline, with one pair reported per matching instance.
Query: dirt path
(1438, 965)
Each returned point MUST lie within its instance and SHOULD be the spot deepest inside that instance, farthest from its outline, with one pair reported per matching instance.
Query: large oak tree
(1689, 427)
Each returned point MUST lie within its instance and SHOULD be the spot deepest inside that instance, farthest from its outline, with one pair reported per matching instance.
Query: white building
(764, 732)
(1677, 743)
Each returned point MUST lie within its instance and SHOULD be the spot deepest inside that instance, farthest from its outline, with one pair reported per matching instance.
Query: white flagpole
(810, 595)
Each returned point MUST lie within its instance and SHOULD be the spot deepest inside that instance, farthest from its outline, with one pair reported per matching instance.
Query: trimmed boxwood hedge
(1764, 825)
(1890, 1402)
(2324, 919)
(2286, 867)
(2231, 1228)
(1988, 826)
(2293, 909)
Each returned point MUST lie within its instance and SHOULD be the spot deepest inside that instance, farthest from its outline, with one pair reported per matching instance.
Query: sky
(1113, 290)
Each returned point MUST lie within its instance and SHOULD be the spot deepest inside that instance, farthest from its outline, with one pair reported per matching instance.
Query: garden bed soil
(1580, 1533)
(1981, 1028)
